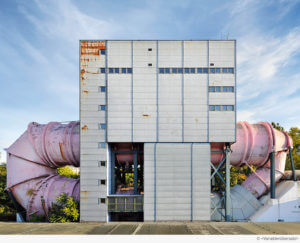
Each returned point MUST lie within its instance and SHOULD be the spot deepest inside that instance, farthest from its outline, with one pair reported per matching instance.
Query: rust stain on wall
(91, 47)
(62, 152)
(86, 91)
(84, 128)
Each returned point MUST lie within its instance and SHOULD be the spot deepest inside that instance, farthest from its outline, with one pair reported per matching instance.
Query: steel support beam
(292, 164)
(272, 175)
(227, 185)
(112, 171)
(135, 175)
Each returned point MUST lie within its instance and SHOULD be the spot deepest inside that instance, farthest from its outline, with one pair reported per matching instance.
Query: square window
(102, 107)
(230, 70)
(102, 182)
(211, 89)
(102, 89)
(102, 52)
(218, 107)
(161, 70)
(225, 89)
(101, 145)
(167, 70)
(101, 200)
(218, 70)
(116, 70)
(123, 70)
(199, 70)
(192, 70)
(102, 70)
(149, 64)
(111, 70)
(102, 126)
(212, 70)
(186, 70)
(205, 70)
(180, 70)
(230, 89)
(211, 107)
(129, 70)
(224, 70)
(218, 89)
(102, 163)
(230, 107)
(174, 70)
(224, 107)
(149, 49)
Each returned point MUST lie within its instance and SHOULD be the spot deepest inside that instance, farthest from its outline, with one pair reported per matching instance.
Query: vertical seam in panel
(106, 91)
(80, 207)
(154, 182)
(207, 93)
(182, 90)
(131, 91)
(191, 181)
(235, 89)
(157, 111)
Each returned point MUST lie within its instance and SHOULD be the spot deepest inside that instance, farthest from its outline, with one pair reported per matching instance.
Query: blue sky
(39, 52)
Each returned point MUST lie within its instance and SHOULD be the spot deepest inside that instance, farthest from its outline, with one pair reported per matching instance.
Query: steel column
(227, 185)
(112, 171)
(292, 164)
(135, 175)
(272, 174)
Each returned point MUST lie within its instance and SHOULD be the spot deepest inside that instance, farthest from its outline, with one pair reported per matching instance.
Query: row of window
(195, 70)
(171, 70)
(221, 108)
(221, 89)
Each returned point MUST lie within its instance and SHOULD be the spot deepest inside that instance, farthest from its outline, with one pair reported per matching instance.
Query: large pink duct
(253, 145)
(32, 162)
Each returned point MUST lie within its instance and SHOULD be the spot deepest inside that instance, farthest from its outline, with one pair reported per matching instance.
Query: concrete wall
(176, 181)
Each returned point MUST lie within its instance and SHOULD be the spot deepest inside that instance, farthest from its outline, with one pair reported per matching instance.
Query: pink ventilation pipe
(253, 145)
(32, 162)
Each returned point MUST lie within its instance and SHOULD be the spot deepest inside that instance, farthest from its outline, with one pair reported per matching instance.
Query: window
(224, 107)
(129, 70)
(102, 70)
(211, 89)
(102, 107)
(174, 70)
(101, 182)
(199, 70)
(230, 70)
(111, 70)
(218, 107)
(102, 126)
(167, 70)
(211, 107)
(224, 89)
(101, 163)
(205, 70)
(123, 70)
(102, 89)
(102, 52)
(180, 70)
(230, 89)
(218, 70)
(224, 70)
(192, 70)
(149, 64)
(101, 200)
(230, 107)
(116, 70)
(212, 64)
(212, 70)
(218, 89)
(161, 70)
(149, 49)
(186, 70)
(101, 145)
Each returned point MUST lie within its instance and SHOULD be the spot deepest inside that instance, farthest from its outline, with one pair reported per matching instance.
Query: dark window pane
(230, 107)
(192, 70)
(230, 89)
(123, 70)
(111, 70)
(218, 89)
(230, 70)
(161, 70)
(224, 70)
(211, 107)
(167, 70)
(225, 89)
(186, 70)
(174, 70)
(205, 70)
(129, 70)
(218, 70)
(103, 126)
(179, 70)
(102, 107)
(149, 49)
(199, 70)
(212, 70)
(102, 88)
(224, 107)
(102, 52)
(116, 70)
(102, 70)
(218, 108)
(211, 89)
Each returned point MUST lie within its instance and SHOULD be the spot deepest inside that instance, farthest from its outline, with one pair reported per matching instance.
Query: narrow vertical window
(212, 70)
(123, 70)
(224, 107)
(218, 107)
(161, 70)
(116, 70)
(186, 70)
(174, 70)
(218, 70)
(180, 70)
(129, 70)
(199, 70)
(230, 70)
(205, 70)
(218, 89)
(111, 70)
(167, 70)
(192, 70)
(102, 70)
(224, 70)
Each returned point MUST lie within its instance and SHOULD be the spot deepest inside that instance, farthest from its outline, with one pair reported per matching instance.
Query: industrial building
(149, 110)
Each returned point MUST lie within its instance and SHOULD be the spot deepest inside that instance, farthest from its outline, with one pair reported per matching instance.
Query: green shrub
(68, 172)
(66, 209)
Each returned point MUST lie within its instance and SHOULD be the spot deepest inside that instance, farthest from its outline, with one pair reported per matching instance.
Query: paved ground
(167, 228)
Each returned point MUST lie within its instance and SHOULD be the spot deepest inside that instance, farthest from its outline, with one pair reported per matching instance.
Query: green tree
(7, 210)
(68, 172)
(66, 209)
